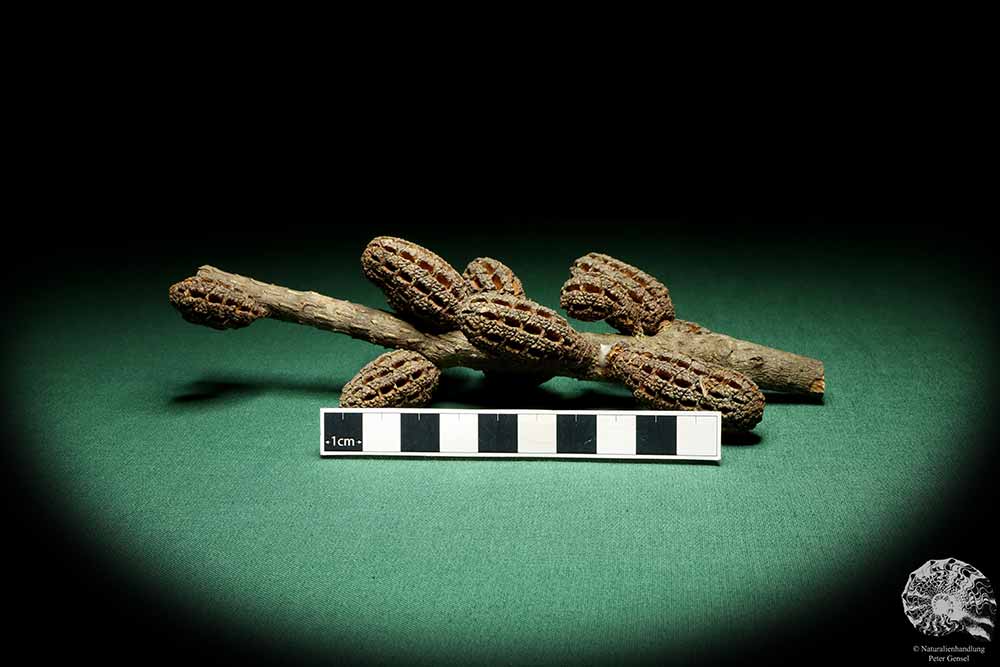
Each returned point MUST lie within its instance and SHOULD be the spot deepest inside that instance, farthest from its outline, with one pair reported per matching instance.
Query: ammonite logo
(946, 596)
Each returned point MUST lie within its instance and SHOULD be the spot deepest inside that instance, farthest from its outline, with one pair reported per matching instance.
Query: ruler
(559, 434)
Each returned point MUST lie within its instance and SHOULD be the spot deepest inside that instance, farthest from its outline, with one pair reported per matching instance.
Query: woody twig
(482, 320)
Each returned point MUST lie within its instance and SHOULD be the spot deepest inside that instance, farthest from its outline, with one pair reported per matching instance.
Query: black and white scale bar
(617, 435)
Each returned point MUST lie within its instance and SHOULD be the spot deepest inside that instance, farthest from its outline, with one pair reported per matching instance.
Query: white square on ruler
(697, 436)
(536, 433)
(380, 432)
(460, 432)
(616, 434)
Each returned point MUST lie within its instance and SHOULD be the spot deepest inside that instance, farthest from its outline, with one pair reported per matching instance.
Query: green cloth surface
(192, 457)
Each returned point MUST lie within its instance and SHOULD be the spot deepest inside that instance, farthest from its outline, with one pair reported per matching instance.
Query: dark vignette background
(72, 597)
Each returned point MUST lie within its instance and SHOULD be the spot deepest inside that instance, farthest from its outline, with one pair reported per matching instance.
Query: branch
(770, 369)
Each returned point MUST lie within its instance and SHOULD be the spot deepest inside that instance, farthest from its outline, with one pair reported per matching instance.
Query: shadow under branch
(473, 391)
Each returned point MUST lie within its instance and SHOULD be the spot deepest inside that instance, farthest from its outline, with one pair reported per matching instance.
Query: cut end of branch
(818, 385)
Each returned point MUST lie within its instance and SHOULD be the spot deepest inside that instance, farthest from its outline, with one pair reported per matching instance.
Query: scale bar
(613, 435)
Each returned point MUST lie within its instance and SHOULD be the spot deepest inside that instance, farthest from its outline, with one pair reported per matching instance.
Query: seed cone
(397, 379)
(601, 287)
(415, 281)
(207, 302)
(678, 382)
(485, 274)
(518, 329)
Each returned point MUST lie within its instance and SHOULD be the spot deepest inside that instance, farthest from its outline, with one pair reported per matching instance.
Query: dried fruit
(485, 274)
(678, 382)
(415, 281)
(397, 379)
(518, 329)
(210, 303)
(604, 288)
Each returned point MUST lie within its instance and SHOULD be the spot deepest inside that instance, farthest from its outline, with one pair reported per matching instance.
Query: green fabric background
(191, 457)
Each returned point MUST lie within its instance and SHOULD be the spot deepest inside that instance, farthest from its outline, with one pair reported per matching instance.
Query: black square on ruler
(419, 432)
(342, 432)
(497, 433)
(655, 434)
(576, 434)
